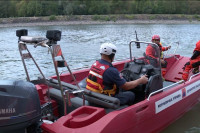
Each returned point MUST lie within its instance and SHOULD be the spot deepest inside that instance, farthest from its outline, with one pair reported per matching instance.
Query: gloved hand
(187, 63)
(195, 70)
(168, 47)
(185, 76)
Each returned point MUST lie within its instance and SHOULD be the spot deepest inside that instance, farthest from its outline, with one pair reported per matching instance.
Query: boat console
(135, 69)
(141, 66)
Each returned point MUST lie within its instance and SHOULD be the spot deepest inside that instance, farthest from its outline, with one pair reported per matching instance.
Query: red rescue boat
(67, 107)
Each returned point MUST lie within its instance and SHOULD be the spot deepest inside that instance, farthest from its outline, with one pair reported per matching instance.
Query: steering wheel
(128, 75)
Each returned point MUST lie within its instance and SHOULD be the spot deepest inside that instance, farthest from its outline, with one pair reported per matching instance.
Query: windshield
(147, 52)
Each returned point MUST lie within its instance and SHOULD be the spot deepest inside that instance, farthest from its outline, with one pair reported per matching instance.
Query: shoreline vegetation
(101, 19)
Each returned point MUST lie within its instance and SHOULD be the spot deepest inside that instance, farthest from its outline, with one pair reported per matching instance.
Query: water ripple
(80, 43)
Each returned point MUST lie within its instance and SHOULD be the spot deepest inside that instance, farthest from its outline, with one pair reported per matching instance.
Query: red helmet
(156, 37)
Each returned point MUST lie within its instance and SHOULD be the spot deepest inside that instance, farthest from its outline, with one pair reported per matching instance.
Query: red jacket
(197, 48)
(150, 50)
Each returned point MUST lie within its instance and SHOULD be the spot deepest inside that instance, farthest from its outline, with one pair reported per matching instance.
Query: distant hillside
(31, 8)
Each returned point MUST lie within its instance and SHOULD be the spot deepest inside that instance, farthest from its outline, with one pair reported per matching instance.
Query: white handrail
(194, 75)
(143, 42)
(174, 50)
(164, 88)
(176, 47)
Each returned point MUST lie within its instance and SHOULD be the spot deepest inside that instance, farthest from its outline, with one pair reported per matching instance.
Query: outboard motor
(19, 106)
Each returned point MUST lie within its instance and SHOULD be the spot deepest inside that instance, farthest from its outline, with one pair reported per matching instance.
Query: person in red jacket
(193, 63)
(152, 53)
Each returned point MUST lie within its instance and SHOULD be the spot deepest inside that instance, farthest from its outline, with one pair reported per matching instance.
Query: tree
(4, 9)
(21, 8)
(31, 8)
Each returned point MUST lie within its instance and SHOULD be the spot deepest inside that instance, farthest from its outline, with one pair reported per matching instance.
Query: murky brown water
(189, 123)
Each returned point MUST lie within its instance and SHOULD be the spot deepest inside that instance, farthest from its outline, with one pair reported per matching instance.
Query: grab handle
(140, 109)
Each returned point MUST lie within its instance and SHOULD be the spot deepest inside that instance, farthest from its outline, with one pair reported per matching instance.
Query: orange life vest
(95, 80)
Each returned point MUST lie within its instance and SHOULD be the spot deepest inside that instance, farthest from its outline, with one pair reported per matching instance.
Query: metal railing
(174, 50)
(193, 76)
(143, 42)
(179, 82)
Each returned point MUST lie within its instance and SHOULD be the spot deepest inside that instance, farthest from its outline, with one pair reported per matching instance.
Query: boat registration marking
(168, 101)
(176, 97)
(192, 88)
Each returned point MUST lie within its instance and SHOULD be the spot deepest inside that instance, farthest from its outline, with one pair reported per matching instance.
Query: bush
(95, 17)
(130, 17)
(152, 17)
(52, 17)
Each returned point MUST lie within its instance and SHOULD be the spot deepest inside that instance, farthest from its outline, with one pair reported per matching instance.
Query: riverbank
(101, 19)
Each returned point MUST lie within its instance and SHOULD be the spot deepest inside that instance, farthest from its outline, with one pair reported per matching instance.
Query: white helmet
(108, 49)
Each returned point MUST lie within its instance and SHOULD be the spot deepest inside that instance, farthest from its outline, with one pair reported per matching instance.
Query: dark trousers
(125, 97)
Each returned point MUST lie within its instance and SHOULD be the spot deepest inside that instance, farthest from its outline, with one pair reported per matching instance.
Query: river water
(80, 46)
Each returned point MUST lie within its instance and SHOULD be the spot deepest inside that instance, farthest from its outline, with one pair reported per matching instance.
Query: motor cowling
(19, 105)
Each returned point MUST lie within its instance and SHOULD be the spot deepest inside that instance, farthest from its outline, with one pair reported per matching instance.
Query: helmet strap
(111, 57)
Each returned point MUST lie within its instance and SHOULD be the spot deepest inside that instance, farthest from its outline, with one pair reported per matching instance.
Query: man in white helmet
(105, 78)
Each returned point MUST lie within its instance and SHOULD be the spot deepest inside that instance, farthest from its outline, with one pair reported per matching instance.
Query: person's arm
(132, 84)
(166, 48)
(195, 54)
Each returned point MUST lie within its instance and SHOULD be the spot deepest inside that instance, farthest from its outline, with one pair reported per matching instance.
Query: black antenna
(137, 43)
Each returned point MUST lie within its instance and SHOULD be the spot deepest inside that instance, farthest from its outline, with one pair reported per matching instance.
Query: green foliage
(12, 9)
(102, 18)
(152, 17)
(96, 17)
(196, 17)
(39, 9)
(4, 9)
(105, 18)
(29, 8)
(113, 18)
(98, 7)
(68, 8)
(52, 17)
(130, 17)
(21, 8)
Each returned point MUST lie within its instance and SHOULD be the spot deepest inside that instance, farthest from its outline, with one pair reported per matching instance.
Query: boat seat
(76, 102)
(93, 97)
(83, 83)
(155, 83)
